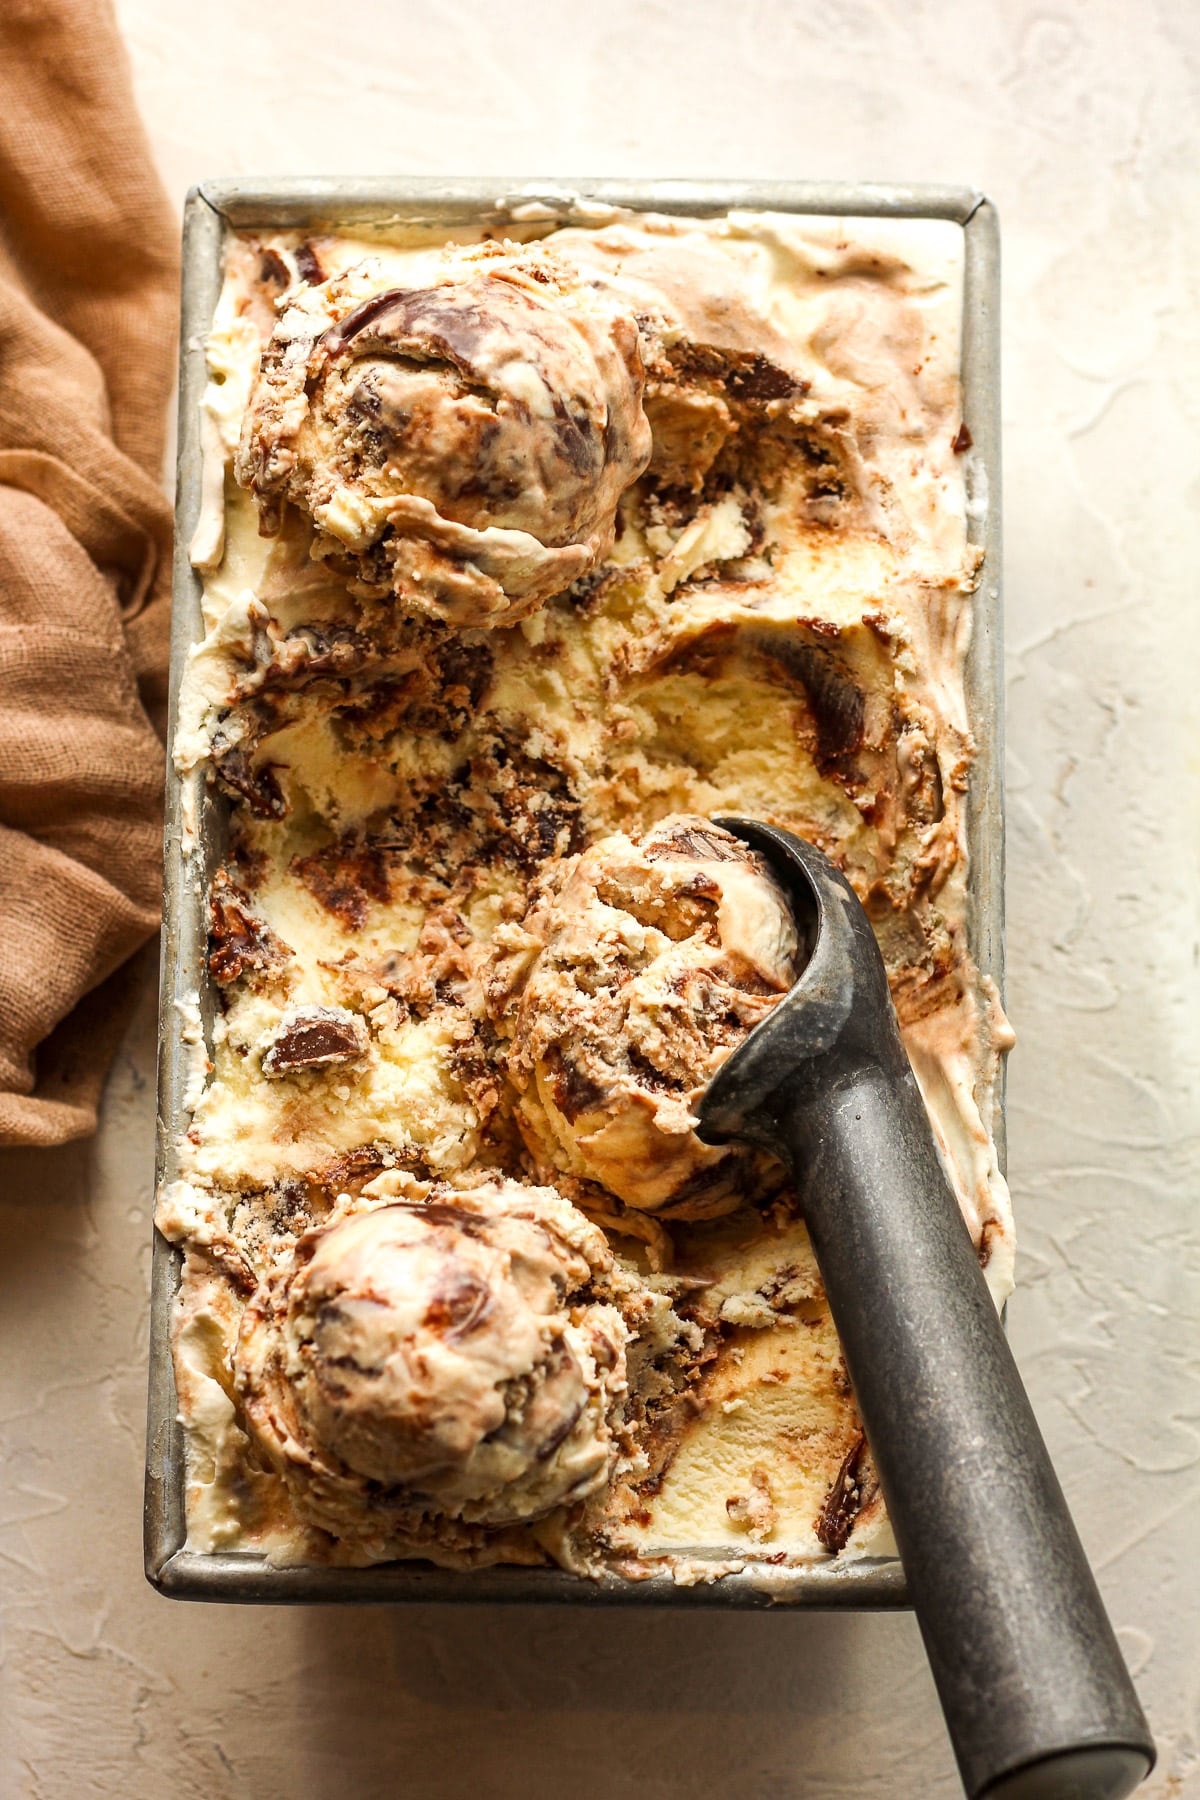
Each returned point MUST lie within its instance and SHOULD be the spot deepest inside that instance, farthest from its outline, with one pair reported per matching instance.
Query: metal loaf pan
(212, 211)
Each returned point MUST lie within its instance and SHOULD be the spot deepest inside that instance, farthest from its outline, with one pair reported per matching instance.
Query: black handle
(1038, 1702)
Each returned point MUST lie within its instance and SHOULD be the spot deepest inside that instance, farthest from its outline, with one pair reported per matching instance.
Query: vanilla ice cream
(574, 541)
(638, 969)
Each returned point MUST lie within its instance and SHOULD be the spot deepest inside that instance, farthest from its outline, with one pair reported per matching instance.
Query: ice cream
(461, 445)
(471, 931)
(438, 1357)
(639, 968)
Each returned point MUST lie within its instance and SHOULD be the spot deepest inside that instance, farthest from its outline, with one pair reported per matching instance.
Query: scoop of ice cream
(462, 445)
(437, 1357)
(639, 969)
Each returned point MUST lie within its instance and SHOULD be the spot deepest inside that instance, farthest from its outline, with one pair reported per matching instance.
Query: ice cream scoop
(1037, 1699)
(461, 445)
(640, 966)
(438, 1357)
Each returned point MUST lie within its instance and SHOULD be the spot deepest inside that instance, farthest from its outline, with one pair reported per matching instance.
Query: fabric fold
(88, 299)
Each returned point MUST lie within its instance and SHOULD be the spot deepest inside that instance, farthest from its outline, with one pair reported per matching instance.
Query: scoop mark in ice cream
(837, 703)
(460, 446)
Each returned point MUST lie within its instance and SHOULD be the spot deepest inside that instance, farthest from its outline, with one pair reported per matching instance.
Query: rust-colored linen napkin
(87, 325)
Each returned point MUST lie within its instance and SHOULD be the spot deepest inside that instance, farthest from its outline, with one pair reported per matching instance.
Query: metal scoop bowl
(1037, 1699)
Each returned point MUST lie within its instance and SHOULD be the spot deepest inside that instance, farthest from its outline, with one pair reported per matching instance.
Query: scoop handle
(1038, 1701)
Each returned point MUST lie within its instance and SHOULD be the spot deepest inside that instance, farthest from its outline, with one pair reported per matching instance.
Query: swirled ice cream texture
(463, 444)
(639, 968)
(777, 630)
(439, 1355)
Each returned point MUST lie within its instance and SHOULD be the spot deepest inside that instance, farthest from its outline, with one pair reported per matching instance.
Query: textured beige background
(1081, 124)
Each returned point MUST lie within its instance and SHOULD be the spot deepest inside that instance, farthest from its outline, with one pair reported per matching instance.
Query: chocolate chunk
(590, 588)
(308, 265)
(745, 375)
(844, 1501)
(465, 671)
(757, 379)
(577, 442)
(991, 1229)
(574, 1091)
(256, 785)
(445, 1214)
(273, 271)
(237, 938)
(502, 807)
(707, 846)
(367, 312)
(517, 809)
(475, 1066)
(349, 1172)
(962, 440)
(441, 694)
(312, 651)
(315, 1038)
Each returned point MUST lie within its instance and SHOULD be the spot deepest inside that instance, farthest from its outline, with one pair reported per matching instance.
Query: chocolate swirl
(462, 446)
(437, 1359)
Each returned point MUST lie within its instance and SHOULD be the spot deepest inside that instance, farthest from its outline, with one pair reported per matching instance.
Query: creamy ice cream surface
(438, 1354)
(637, 970)
(462, 444)
(527, 551)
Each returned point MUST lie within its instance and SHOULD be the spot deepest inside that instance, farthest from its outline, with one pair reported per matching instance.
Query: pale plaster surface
(1080, 122)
